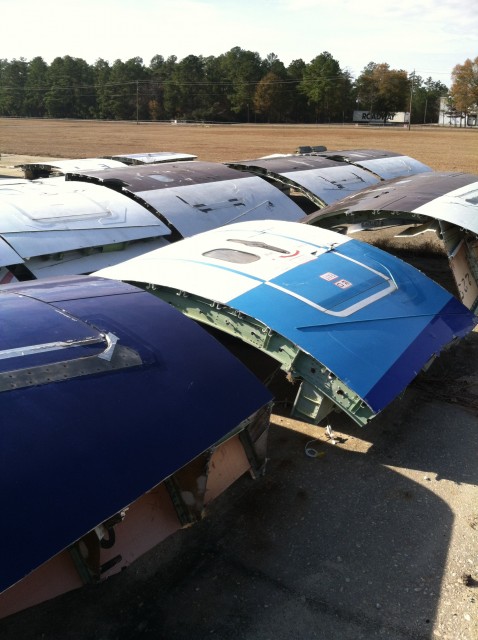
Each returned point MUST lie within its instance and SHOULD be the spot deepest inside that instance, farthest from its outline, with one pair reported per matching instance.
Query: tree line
(237, 86)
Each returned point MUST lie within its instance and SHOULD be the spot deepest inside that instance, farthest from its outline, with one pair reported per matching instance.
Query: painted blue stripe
(364, 347)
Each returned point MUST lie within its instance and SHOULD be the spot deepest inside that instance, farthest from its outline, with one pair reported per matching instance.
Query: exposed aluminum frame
(338, 315)
(443, 202)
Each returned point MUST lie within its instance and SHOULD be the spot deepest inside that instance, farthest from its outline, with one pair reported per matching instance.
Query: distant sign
(378, 117)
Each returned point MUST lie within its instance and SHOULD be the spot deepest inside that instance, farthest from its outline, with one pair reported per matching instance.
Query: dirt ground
(444, 149)
(375, 538)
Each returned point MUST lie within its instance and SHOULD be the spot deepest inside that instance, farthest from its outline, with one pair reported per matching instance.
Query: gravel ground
(376, 537)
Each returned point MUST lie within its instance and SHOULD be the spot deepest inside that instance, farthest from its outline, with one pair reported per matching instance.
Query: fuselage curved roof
(328, 176)
(94, 378)
(53, 216)
(321, 179)
(446, 196)
(365, 316)
(385, 164)
(198, 196)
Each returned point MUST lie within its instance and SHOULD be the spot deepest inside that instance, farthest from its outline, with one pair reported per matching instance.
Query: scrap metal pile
(115, 273)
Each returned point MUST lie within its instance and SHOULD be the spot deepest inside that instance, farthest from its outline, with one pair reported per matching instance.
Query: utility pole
(412, 78)
(137, 102)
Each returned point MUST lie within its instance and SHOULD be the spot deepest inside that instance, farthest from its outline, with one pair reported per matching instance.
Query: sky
(427, 37)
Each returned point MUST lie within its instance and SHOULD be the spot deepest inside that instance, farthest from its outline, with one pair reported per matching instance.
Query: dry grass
(443, 149)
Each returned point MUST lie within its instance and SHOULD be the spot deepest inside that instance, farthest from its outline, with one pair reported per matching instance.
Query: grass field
(443, 149)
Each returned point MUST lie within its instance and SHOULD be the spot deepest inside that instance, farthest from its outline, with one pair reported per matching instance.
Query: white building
(449, 117)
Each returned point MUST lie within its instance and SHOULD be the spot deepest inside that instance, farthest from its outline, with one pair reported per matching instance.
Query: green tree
(12, 89)
(325, 85)
(124, 96)
(191, 90)
(242, 71)
(164, 92)
(156, 87)
(219, 106)
(71, 91)
(171, 95)
(102, 74)
(272, 64)
(298, 107)
(426, 100)
(383, 90)
(35, 88)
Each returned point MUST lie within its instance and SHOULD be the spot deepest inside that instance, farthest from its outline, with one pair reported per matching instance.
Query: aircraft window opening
(232, 255)
(259, 245)
(35, 349)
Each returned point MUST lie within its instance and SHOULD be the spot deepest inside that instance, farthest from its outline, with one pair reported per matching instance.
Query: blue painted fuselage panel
(379, 347)
(75, 452)
(338, 285)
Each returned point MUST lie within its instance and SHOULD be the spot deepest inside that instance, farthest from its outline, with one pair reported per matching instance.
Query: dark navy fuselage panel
(75, 452)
